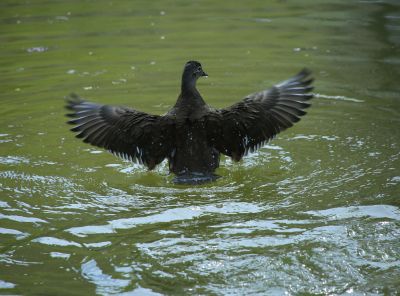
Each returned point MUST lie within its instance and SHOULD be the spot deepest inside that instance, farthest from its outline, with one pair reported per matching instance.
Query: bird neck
(188, 84)
(189, 96)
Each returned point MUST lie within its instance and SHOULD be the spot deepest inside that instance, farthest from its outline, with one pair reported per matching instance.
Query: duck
(192, 135)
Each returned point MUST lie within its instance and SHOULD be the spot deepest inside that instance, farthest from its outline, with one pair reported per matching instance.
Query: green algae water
(315, 211)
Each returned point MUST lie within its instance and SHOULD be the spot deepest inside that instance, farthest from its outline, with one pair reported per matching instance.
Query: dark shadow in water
(194, 179)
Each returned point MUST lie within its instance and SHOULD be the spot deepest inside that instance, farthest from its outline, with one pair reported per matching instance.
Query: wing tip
(72, 100)
(305, 72)
(304, 76)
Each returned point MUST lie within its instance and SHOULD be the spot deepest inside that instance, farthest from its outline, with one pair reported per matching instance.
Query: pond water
(316, 211)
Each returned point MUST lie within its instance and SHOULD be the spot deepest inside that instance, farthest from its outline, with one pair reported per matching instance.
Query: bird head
(194, 70)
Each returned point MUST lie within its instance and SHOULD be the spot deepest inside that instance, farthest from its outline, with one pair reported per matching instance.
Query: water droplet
(119, 81)
(37, 49)
(262, 20)
(96, 151)
(62, 18)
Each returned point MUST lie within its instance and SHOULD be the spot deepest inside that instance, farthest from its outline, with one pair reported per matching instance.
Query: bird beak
(204, 74)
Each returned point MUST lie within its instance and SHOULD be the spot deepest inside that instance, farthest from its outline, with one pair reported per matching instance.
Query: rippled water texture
(316, 211)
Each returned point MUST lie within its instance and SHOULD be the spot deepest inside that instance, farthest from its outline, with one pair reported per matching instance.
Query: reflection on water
(170, 215)
(314, 211)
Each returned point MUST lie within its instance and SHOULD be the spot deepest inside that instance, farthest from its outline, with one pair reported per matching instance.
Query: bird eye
(199, 69)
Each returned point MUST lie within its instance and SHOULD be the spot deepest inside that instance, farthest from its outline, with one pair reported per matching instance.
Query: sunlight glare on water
(315, 211)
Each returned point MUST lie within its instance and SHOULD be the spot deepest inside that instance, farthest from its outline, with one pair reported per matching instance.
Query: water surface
(316, 211)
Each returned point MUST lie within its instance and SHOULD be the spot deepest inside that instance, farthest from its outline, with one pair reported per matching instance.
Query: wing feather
(259, 117)
(127, 133)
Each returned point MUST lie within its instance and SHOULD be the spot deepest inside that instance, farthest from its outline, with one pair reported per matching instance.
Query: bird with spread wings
(192, 135)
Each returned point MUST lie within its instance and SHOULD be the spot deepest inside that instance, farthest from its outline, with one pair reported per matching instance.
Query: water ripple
(22, 219)
(105, 284)
(53, 241)
(374, 211)
(170, 215)
(340, 98)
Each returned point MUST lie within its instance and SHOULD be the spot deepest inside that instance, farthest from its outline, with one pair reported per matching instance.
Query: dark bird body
(192, 135)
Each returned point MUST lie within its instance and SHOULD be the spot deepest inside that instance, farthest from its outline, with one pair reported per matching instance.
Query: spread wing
(247, 125)
(125, 132)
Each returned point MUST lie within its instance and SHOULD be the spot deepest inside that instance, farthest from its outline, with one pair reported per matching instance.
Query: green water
(316, 211)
